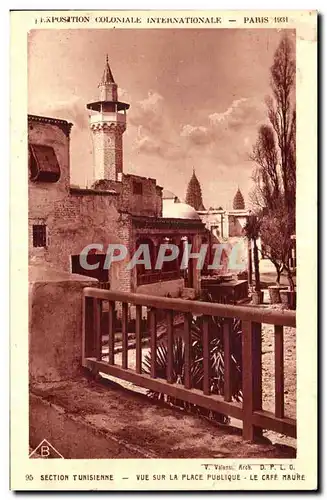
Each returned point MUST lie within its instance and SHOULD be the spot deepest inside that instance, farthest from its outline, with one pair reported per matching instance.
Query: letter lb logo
(45, 450)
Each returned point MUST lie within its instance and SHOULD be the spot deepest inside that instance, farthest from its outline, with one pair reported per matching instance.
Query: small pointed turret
(194, 193)
(107, 74)
(107, 85)
(238, 202)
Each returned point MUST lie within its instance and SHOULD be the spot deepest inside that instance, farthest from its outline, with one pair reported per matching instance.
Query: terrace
(104, 406)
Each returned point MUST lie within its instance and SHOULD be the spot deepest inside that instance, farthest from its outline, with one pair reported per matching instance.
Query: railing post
(153, 341)
(111, 332)
(97, 310)
(170, 345)
(138, 332)
(124, 362)
(187, 351)
(251, 377)
(227, 329)
(206, 356)
(88, 346)
(279, 372)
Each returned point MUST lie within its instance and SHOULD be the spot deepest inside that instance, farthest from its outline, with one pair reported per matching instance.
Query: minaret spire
(107, 77)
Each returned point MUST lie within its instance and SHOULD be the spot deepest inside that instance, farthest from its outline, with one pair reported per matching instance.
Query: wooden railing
(250, 410)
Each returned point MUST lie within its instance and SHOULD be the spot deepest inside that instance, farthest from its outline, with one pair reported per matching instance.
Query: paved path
(143, 428)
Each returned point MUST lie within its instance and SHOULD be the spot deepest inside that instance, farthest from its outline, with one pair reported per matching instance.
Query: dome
(176, 210)
(238, 202)
(168, 195)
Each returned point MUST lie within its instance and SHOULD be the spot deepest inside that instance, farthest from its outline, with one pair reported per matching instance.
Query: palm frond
(217, 363)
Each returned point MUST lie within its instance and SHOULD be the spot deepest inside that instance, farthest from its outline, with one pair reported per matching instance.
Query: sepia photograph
(162, 189)
(162, 249)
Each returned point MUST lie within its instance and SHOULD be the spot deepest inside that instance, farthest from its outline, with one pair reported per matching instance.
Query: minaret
(107, 124)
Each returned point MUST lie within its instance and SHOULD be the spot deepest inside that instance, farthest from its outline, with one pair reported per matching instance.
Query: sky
(197, 99)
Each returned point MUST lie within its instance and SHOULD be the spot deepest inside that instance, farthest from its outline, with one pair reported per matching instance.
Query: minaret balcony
(119, 118)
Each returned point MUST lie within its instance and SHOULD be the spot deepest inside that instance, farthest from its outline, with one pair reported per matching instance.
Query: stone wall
(72, 224)
(120, 275)
(141, 196)
(43, 196)
(55, 324)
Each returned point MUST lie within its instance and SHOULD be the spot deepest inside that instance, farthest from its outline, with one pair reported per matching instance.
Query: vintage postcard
(163, 250)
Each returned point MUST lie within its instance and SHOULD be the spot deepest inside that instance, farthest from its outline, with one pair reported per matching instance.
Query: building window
(39, 235)
(137, 188)
(43, 163)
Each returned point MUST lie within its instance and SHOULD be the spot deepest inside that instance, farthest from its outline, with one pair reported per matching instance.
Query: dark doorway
(100, 273)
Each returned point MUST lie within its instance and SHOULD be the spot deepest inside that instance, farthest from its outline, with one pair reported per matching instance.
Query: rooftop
(64, 125)
(173, 209)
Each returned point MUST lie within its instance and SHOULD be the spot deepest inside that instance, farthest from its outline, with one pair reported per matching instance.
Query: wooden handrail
(254, 314)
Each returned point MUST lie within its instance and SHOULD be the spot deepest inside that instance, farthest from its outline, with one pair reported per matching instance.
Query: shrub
(216, 350)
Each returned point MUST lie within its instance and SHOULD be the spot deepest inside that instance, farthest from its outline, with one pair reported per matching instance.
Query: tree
(276, 230)
(274, 153)
(267, 191)
(281, 113)
(252, 230)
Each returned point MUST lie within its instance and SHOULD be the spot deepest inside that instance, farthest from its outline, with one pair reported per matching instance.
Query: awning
(43, 163)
